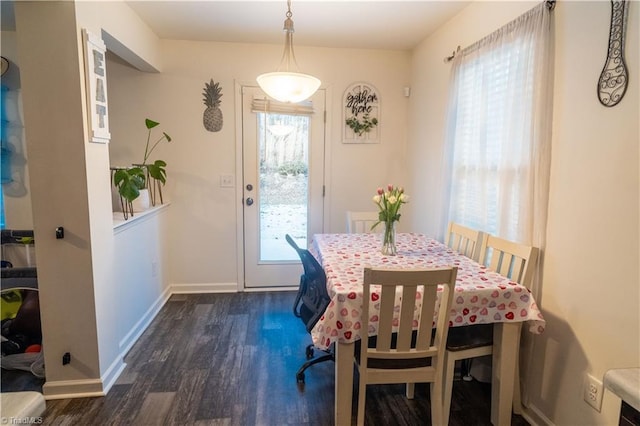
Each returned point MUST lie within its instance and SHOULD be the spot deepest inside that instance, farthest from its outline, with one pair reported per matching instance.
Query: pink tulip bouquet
(389, 203)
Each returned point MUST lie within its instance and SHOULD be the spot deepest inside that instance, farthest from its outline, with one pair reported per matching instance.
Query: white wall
(590, 288)
(84, 277)
(593, 229)
(118, 270)
(138, 283)
(203, 215)
(55, 140)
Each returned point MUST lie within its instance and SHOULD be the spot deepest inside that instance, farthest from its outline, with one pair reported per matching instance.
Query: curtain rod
(551, 4)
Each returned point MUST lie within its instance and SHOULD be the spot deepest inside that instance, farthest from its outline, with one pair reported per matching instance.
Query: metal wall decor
(212, 115)
(614, 78)
(361, 114)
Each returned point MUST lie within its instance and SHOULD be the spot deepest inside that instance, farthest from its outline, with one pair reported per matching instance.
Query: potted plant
(128, 181)
(146, 176)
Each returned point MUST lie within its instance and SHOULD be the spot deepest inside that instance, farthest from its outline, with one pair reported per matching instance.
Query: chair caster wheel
(309, 353)
(300, 377)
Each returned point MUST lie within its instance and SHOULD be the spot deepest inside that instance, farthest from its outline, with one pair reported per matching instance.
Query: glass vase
(389, 239)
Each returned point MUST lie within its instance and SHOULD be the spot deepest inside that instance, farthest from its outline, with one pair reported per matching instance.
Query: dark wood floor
(230, 359)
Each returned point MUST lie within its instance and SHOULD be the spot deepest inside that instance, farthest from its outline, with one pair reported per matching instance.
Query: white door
(283, 173)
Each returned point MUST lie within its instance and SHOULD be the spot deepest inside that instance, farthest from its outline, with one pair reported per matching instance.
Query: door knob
(249, 201)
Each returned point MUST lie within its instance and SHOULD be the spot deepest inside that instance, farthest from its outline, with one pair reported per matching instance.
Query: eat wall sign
(96, 83)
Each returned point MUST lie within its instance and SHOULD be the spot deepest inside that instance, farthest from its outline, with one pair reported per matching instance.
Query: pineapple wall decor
(212, 117)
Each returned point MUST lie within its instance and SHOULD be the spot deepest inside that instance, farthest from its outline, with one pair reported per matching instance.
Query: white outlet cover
(593, 392)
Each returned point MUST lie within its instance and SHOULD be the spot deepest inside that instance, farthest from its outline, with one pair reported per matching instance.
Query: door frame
(239, 186)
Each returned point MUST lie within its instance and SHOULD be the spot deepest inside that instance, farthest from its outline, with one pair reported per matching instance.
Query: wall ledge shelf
(119, 224)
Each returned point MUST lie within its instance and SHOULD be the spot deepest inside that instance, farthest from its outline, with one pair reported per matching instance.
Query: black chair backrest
(312, 298)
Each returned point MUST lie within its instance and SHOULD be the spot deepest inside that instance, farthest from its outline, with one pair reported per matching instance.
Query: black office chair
(311, 302)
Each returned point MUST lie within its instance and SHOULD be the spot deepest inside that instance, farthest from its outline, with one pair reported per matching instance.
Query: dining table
(481, 297)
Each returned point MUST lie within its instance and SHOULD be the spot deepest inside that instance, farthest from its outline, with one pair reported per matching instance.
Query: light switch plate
(227, 181)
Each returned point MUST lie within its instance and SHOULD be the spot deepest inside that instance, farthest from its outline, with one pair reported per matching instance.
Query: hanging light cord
(288, 53)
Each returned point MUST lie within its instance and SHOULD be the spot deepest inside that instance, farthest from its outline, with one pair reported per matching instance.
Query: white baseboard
(203, 288)
(85, 388)
(535, 417)
(113, 372)
(258, 289)
(64, 389)
(136, 331)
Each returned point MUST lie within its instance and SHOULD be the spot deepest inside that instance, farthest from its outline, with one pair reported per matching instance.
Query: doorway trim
(238, 86)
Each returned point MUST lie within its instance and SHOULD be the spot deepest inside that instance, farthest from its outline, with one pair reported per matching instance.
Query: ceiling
(395, 24)
(372, 24)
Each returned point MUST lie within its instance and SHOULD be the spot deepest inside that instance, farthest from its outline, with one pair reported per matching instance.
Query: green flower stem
(389, 240)
(147, 154)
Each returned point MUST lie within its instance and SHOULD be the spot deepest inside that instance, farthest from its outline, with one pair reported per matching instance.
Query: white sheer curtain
(499, 139)
(499, 130)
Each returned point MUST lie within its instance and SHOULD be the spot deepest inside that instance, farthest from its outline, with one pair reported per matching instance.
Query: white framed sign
(361, 118)
(96, 79)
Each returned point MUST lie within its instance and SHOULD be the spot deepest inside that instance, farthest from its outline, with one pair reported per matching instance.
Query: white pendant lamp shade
(288, 86)
(285, 85)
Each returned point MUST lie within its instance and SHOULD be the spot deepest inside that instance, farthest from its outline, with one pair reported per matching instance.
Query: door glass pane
(283, 162)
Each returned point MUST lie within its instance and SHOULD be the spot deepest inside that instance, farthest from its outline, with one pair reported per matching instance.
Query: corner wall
(591, 280)
(83, 277)
(591, 283)
(46, 34)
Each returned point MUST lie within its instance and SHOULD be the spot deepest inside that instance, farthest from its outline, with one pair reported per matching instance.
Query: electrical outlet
(593, 392)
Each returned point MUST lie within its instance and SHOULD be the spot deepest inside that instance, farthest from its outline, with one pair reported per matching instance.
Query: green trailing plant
(129, 181)
(360, 127)
(157, 169)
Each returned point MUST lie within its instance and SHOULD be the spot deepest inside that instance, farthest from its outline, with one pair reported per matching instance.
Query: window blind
(272, 106)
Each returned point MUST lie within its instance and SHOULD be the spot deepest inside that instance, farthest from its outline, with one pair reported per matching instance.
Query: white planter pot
(143, 202)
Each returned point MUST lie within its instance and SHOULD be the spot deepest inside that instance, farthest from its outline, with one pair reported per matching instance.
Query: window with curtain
(499, 130)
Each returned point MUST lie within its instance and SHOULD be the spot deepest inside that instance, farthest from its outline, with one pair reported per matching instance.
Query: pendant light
(285, 84)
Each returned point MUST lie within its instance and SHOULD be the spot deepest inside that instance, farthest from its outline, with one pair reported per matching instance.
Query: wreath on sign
(364, 126)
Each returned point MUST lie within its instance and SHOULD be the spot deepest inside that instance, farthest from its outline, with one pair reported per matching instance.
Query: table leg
(343, 383)
(506, 339)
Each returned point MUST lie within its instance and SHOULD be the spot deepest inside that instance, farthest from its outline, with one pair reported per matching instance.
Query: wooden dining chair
(512, 260)
(398, 354)
(464, 240)
(361, 222)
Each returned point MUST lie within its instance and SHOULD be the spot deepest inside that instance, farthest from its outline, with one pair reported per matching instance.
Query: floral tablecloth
(482, 296)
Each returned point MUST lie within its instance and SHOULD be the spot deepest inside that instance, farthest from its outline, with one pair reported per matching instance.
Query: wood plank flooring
(231, 359)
